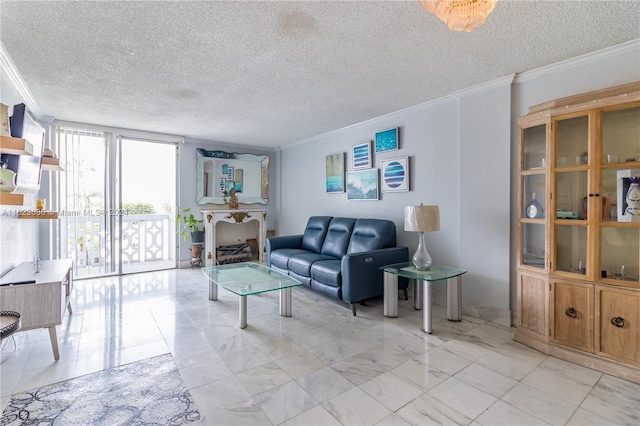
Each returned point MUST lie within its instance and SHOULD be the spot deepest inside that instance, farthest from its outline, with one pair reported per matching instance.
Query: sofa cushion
(337, 239)
(327, 272)
(372, 234)
(280, 258)
(315, 232)
(301, 263)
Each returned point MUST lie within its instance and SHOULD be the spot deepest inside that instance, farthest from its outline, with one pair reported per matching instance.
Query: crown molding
(631, 46)
(16, 80)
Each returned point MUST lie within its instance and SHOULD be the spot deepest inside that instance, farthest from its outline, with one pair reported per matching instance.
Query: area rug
(147, 392)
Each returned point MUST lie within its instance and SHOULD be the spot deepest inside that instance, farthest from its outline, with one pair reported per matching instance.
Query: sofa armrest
(285, 241)
(362, 277)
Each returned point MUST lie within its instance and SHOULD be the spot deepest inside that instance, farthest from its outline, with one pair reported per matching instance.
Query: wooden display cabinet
(578, 252)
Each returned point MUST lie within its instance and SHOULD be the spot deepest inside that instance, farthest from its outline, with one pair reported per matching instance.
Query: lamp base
(422, 259)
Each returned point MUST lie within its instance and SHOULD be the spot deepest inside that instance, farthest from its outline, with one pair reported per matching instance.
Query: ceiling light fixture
(460, 15)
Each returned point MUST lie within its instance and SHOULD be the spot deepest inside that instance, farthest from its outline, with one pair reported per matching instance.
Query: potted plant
(187, 224)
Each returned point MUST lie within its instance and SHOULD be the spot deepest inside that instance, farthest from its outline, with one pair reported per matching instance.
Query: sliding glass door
(117, 202)
(148, 194)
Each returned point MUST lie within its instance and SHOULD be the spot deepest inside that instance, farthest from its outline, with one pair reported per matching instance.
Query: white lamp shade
(421, 218)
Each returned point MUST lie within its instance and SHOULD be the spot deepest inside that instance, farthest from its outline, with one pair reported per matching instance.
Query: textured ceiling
(269, 73)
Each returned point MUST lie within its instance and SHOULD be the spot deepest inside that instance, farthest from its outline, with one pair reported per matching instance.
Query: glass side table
(422, 293)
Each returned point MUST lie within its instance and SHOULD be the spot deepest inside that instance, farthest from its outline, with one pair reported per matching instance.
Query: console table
(452, 275)
(211, 219)
(41, 297)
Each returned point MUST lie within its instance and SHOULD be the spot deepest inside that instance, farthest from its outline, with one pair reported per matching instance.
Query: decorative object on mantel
(460, 15)
(421, 219)
(233, 200)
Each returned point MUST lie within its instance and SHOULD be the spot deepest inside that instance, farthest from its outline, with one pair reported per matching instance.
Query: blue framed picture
(395, 175)
(362, 185)
(335, 173)
(361, 156)
(387, 140)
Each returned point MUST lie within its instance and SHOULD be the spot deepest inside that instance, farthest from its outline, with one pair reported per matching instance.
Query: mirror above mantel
(219, 172)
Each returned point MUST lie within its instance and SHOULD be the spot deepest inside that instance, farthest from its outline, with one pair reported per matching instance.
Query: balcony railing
(145, 238)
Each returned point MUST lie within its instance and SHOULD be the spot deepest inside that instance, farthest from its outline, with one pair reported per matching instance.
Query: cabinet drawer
(572, 321)
(618, 320)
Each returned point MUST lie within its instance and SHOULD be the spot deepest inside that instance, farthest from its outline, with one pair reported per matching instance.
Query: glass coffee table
(451, 274)
(247, 278)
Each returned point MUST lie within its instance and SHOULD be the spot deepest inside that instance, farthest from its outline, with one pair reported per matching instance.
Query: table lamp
(421, 219)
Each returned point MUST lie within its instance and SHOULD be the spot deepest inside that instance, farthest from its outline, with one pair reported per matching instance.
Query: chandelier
(460, 15)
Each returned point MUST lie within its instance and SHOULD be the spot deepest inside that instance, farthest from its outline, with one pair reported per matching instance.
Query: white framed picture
(395, 175)
(387, 140)
(362, 185)
(361, 157)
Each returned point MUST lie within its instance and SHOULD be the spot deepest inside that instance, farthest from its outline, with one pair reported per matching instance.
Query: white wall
(484, 200)
(428, 135)
(463, 152)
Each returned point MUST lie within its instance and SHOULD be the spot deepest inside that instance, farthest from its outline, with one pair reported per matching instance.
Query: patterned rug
(147, 392)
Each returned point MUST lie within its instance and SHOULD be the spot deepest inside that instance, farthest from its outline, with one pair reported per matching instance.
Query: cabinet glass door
(619, 253)
(571, 249)
(533, 196)
(533, 245)
(621, 136)
(619, 228)
(572, 141)
(533, 147)
(571, 195)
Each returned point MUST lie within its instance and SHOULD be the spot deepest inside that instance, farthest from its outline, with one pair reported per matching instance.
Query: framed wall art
(362, 185)
(361, 156)
(395, 175)
(335, 173)
(387, 140)
(238, 179)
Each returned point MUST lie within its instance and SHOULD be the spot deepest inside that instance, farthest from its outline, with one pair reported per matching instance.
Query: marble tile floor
(320, 367)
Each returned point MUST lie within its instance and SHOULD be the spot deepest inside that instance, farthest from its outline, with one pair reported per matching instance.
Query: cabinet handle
(618, 321)
(571, 313)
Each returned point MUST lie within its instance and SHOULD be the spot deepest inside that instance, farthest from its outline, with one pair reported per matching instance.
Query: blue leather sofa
(339, 256)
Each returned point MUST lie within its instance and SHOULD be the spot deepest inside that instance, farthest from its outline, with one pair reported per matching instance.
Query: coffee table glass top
(248, 278)
(435, 273)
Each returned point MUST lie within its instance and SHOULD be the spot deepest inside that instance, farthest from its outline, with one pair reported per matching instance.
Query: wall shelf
(16, 146)
(52, 164)
(8, 199)
(36, 214)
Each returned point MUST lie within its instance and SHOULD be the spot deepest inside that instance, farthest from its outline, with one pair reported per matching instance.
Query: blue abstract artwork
(362, 185)
(361, 154)
(335, 173)
(395, 175)
(387, 140)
